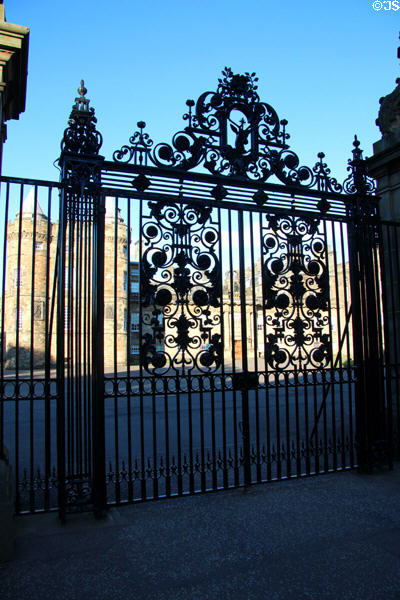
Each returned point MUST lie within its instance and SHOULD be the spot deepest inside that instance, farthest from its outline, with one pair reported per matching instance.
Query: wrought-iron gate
(210, 328)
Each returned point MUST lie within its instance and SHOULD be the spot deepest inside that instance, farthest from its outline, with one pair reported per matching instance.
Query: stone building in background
(30, 296)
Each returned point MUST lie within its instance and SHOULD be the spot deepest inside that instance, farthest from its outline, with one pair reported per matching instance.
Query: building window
(66, 318)
(38, 311)
(134, 287)
(134, 321)
(70, 275)
(38, 246)
(109, 311)
(134, 349)
(125, 319)
(17, 278)
(125, 281)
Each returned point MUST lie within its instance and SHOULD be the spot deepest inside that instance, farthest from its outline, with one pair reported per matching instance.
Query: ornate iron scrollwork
(181, 289)
(296, 293)
(230, 132)
(78, 494)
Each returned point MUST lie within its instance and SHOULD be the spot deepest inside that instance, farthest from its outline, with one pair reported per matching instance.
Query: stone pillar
(14, 43)
(384, 166)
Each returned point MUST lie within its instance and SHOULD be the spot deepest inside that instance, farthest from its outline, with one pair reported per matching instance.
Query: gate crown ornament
(82, 137)
(231, 132)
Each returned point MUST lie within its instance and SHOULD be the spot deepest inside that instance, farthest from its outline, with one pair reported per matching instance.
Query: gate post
(371, 434)
(80, 316)
(384, 166)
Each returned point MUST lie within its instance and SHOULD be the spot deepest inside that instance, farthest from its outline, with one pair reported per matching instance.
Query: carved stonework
(388, 120)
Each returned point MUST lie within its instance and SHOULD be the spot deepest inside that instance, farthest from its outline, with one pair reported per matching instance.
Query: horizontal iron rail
(181, 176)
(29, 181)
(226, 204)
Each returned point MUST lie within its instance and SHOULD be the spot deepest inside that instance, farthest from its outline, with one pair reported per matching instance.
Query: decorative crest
(231, 132)
(82, 137)
(241, 86)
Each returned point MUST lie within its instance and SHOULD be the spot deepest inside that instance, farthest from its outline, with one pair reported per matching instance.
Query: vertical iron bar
(266, 371)
(191, 471)
(154, 419)
(358, 328)
(396, 230)
(128, 347)
(31, 357)
(316, 419)
(278, 427)
(178, 433)
(348, 350)
(141, 387)
(85, 357)
(255, 347)
(70, 353)
(325, 422)
(306, 420)
(380, 295)
(202, 453)
(167, 453)
(213, 443)
(90, 286)
(48, 336)
(61, 396)
(17, 328)
(332, 365)
(339, 331)
(99, 467)
(79, 320)
(3, 340)
(287, 415)
(223, 382)
(116, 441)
(388, 317)
(245, 393)
(233, 354)
(297, 417)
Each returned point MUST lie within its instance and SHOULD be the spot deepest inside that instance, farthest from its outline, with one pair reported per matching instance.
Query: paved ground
(327, 538)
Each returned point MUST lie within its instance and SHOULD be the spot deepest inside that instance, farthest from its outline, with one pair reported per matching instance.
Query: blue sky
(322, 65)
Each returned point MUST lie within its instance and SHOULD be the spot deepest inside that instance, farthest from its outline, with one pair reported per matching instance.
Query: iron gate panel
(176, 425)
(215, 328)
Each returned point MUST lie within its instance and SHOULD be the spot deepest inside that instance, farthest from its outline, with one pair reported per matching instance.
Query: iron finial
(82, 90)
(82, 103)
